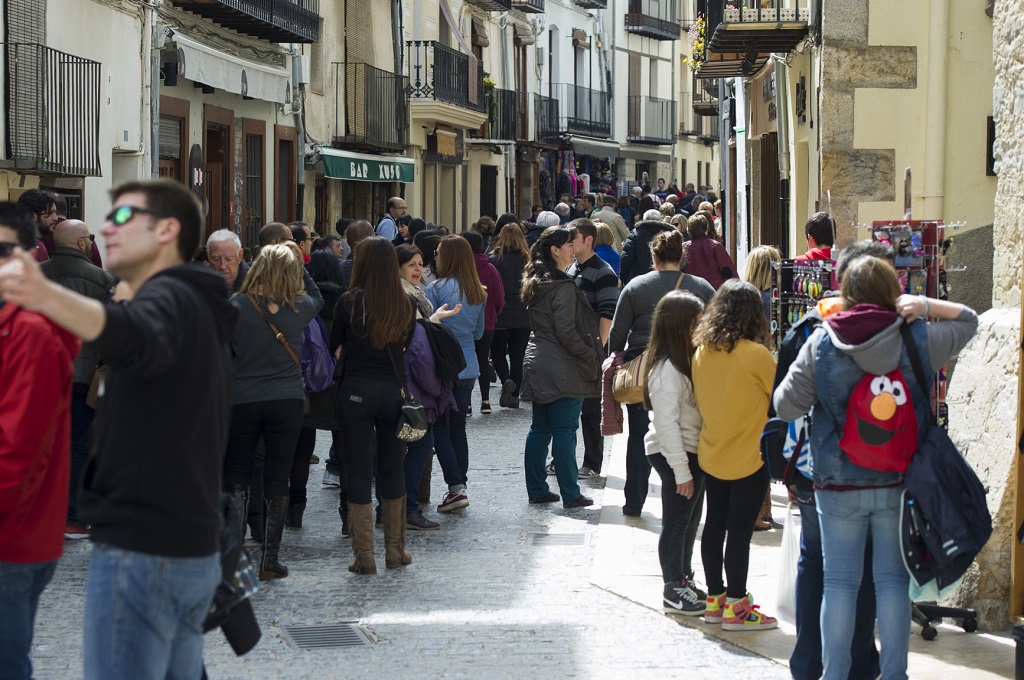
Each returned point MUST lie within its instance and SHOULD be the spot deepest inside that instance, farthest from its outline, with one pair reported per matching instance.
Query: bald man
(388, 226)
(71, 266)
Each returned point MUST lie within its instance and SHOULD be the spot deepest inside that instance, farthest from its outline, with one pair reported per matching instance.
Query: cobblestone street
(480, 600)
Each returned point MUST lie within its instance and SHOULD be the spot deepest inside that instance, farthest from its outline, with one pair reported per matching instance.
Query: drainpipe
(782, 116)
(300, 136)
(935, 115)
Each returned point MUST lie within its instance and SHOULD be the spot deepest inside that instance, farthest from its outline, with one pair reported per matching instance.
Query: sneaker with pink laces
(743, 615)
(713, 608)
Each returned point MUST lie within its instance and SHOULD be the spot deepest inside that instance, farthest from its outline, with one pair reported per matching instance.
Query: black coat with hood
(636, 250)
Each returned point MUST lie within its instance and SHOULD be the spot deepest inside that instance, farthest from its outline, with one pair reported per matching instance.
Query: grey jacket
(564, 356)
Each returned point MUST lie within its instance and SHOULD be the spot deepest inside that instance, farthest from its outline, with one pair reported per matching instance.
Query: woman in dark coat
(512, 330)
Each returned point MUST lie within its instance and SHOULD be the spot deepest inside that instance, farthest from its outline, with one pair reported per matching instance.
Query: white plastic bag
(785, 602)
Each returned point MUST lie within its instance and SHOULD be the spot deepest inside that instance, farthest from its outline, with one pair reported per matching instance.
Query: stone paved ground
(477, 602)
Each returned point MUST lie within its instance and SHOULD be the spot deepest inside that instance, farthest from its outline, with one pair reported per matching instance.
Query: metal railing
(545, 119)
(689, 121)
(650, 120)
(531, 6)
(443, 74)
(583, 111)
(653, 18)
(593, 4)
(53, 111)
(501, 115)
(299, 19)
(492, 5)
(370, 107)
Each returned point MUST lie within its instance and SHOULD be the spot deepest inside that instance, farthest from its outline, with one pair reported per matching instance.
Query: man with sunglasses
(151, 488)
(70, 266)
(35, 372)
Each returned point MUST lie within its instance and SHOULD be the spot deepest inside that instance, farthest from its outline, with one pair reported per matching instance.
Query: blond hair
(604, 237)
(276, 275)
(758, 268)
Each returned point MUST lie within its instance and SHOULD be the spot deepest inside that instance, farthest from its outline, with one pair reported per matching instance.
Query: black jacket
(153, 482)
(636, 250)
(510, 266)
(533, 234)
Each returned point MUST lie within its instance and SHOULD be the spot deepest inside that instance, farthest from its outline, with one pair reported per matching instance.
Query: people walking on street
(732, 380)
(154, 509)
(631, 329)
(268, 394)
(368, 407)
(706, 257)
(636, 250)
(512, 328)
(458, 284)
(671, 446)
(562, 366)
(490, 279)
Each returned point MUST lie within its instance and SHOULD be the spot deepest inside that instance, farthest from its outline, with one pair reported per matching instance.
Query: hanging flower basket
(697, 37)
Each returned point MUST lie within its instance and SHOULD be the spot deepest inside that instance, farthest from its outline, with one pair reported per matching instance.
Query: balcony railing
(689, 121)
(583, 111)
(650, 120)
(653, 19)
(529, 6)
(705, 100)
(748, 27)
(370, 108)
(501, 115)
(442, 74)
(593, 4)
(545, 117)
(492, 5)
(53, 111)
(287, 21)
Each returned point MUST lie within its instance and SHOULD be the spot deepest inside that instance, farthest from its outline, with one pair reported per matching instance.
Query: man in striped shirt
(600, 285)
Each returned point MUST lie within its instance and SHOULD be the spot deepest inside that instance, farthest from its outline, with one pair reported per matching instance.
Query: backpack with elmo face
(880, 432)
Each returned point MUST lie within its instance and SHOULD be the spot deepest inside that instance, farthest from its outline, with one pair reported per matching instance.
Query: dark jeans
(82, 416)
(333, 464)
(680, 517)
(553, 424)
(805, 663)
(450, 438)
(510, 342)
(300, 465)
(368, 411)
(638, 468)
(20, 588)
(593, 442)
(733, 505)
(416, 458)
(278, 422)
(483, 353)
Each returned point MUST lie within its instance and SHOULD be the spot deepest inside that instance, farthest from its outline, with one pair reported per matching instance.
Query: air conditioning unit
(580, 38)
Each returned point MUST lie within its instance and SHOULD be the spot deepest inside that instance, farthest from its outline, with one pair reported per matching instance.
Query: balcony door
(218, 169)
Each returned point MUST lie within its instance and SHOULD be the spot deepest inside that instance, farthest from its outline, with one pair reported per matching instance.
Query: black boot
(343, 511)
(270, 567)
(294, 518)
(240, 499)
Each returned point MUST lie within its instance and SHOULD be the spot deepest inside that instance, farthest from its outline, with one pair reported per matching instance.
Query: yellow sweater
(732, 390)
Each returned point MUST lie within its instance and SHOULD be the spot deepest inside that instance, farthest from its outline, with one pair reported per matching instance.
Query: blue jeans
(638, 468)
(416, 456)
(82, 416)
(20, 588)
(847, 518)
(553, 424)
(805, 662)
(144, 614)
(450, 437)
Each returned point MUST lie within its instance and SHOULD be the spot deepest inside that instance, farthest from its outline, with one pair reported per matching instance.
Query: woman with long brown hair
(267, 393)
(458, 284)
(370, 346)
(512, 330)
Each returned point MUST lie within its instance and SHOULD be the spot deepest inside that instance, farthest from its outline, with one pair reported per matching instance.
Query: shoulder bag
(288, 348)
(412, 422)
(629, 379)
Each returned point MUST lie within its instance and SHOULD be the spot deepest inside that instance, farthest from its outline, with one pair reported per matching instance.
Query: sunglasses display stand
(797, 285)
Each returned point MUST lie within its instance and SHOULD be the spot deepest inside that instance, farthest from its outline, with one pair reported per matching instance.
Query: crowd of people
(378, 331)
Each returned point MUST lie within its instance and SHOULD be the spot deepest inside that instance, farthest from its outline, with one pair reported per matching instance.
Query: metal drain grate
(544, 540)
(330, 636)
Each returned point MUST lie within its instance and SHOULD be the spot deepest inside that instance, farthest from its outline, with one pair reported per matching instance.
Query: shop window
(173, 161)
(255, 164)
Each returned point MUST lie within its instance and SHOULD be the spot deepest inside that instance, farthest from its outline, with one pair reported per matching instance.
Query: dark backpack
(447, 352)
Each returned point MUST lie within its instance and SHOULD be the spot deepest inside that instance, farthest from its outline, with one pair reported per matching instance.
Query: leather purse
(412, 422)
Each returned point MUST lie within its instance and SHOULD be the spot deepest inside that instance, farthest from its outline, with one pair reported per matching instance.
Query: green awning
(364, 167)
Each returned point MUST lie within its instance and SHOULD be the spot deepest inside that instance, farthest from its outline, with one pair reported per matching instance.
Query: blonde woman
(758, 271)
(268, 393)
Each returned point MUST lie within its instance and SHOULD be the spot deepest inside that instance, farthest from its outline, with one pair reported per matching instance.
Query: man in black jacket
(151, 488)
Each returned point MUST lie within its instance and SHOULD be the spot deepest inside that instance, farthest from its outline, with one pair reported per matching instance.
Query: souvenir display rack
(797, 285)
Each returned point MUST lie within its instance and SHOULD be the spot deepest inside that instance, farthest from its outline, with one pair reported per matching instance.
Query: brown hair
(699, 224)
(735, 313)
(457, 263)
(672, 327)
(667, 246)
(169, 199)
(870, 280)
(584, 226)
(276, 275)
(376, 285)
(512, 240)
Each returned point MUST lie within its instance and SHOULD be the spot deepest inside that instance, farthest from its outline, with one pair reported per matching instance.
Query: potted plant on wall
(731, 14)
(697, 37)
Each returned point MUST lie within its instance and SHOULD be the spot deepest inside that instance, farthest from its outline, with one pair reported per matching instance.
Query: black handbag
(412, 422)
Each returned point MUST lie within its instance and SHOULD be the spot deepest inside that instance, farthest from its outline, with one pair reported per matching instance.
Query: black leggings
(300, 465)
(510, 342)
(483, 355)
(733, 505)
(680, 518)
(368, 413)
(278, 422)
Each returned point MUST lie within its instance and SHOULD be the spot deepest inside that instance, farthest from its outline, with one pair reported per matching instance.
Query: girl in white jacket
(671, 445)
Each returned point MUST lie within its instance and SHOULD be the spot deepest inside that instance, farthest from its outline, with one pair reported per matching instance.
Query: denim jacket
(467, 326)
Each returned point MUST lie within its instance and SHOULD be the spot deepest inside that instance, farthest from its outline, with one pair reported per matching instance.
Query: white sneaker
(331, 479)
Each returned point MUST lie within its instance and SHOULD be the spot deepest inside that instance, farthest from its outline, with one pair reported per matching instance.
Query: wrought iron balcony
(593, 4)
(370, 108)
(529, 6)
(53, 111)
(747, 28)
(653, 19)
(442, 74)
(501, 115)
(650, 120)
(705, 99)
(583, 111)
(492, 5)
(545, 119)
(287, 21)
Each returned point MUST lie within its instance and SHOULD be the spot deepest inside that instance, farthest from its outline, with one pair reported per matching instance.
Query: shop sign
(445, 146)
(366, 168)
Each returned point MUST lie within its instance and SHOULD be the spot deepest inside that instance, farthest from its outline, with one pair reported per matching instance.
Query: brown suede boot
(360, 527)
(395, 554)
(425, 481)
(764, 518)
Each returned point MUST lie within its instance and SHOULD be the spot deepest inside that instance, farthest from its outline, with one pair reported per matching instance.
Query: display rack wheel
(929, 633)
(969, 625)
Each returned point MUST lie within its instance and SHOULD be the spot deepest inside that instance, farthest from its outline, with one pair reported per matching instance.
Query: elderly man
(224, 253)
(388, 225)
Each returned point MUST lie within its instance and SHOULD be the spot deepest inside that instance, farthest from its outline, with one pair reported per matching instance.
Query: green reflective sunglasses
(123, 214)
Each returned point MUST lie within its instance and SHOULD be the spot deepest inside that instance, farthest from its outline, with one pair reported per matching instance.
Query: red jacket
(35, 434)
(816, 254)
(491, 280)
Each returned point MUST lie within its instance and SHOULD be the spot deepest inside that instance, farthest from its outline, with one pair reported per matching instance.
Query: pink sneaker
(713, 608)
(743, 615)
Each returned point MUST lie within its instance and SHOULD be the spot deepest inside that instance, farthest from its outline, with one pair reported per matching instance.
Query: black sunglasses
(123, 214)
(7, 248)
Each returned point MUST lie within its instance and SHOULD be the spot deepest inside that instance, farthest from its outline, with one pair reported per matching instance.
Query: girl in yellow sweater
(733, 372)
